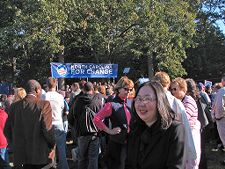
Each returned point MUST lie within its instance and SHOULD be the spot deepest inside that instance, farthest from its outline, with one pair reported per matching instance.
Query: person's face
(209, 90)
(146, 104)
(73, 87)
(123, 92)
(131, 94)
(198, 91)
(176, 91)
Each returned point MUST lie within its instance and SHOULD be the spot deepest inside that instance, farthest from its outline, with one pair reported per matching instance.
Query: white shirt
(178, 107)
(57, 104)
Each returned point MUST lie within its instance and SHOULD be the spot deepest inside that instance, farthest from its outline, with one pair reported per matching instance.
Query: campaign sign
(83, 70)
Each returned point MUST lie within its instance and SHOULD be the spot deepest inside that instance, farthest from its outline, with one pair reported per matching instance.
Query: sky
(221, 25)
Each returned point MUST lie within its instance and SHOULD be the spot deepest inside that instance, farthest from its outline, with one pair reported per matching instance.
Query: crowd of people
(160, 124)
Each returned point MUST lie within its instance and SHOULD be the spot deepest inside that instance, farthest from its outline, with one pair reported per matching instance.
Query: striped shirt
(191, 110)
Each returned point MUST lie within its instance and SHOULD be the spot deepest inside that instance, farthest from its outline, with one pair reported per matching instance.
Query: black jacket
(94, 102)
(156, 148)
(118, 119)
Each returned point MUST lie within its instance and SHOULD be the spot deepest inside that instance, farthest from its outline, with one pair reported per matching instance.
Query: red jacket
(3, 118)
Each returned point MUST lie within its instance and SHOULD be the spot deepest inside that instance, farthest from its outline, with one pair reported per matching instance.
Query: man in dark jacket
(29, 128)
(88, 141)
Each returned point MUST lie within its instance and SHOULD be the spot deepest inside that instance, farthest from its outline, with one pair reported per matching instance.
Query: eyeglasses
(173, 89)
(144, 100)
(128, 90)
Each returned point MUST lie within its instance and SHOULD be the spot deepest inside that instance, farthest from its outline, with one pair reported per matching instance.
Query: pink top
(106, 111)
(128, 116)
(191, 109)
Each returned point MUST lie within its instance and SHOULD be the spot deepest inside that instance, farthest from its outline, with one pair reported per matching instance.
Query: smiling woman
(146, 105)
(156, 140)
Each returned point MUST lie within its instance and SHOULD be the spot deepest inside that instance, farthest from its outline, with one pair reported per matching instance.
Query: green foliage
(166, 28)
(124, 32)
(101, 29)
(32, 36)
(206, 60)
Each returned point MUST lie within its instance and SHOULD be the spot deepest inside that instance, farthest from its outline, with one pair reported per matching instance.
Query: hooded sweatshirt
(94, 102)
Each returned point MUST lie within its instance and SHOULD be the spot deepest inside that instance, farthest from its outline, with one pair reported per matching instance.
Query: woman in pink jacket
(119, 115)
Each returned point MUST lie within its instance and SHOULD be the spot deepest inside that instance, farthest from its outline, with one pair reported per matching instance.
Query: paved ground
(214, 157)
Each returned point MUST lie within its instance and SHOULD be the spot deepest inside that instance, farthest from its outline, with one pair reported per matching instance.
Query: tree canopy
(146, 35)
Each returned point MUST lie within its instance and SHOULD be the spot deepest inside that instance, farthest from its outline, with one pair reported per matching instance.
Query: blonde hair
(163, 78)
(51, 82)
(181, 83)
(19, 94)
(102, 90)
(124, 81)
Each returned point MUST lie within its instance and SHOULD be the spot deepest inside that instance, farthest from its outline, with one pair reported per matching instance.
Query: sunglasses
(128, 90)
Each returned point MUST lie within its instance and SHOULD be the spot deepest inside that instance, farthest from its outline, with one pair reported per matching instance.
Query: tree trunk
(150, 65)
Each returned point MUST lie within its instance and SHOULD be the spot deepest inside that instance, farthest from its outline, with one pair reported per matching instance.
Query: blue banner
(83, 70)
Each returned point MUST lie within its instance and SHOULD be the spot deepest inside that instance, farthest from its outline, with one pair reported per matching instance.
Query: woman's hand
(113, 131)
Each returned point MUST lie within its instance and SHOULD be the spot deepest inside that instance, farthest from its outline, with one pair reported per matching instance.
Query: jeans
(60, 137)
(65, 126)
(4, 154)
(4, 159)
(88, 151)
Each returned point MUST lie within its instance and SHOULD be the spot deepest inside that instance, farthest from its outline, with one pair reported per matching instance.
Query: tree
(34, 32)
(166, 28)
(101, 32)
(206, 60)
(7, 15)
(123, 30)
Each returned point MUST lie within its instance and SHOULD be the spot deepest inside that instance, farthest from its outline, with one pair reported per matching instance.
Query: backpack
(89, 116)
